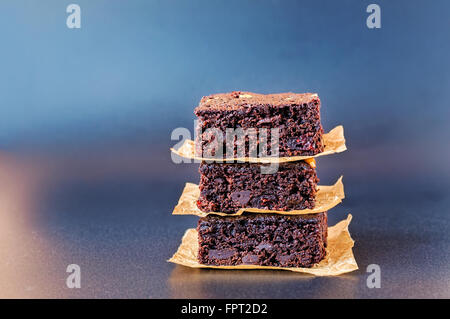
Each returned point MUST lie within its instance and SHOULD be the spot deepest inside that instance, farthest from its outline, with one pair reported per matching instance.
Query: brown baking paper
(339, 258)
(334, 143)
(326, 198)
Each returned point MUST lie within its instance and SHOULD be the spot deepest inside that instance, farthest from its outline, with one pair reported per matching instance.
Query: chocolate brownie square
(296, 116)
(263, 239)
(226, 187)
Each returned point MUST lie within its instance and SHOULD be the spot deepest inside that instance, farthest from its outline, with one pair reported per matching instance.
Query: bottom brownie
(262, 239)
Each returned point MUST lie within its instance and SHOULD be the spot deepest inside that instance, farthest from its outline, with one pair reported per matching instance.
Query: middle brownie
(228, 187)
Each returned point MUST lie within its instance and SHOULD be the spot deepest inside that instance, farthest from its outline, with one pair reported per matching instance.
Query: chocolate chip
(250, 259)
(283, 259)
(221, 253)
(265, 246)
(242, 197)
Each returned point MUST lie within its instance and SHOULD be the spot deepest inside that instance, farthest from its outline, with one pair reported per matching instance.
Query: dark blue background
(90, 111)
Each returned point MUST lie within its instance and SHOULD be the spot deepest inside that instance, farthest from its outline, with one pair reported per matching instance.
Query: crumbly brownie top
(238, 100)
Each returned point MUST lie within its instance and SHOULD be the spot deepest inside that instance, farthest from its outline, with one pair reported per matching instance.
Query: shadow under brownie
(263, 239)
(228, 187)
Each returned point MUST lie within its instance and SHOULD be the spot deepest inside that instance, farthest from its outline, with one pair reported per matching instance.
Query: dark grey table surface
(111, 215)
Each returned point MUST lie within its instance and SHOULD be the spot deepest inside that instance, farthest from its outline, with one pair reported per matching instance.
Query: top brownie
(296, 116)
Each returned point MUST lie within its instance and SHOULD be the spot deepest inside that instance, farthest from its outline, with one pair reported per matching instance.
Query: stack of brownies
(275, 236)
(266, 239)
